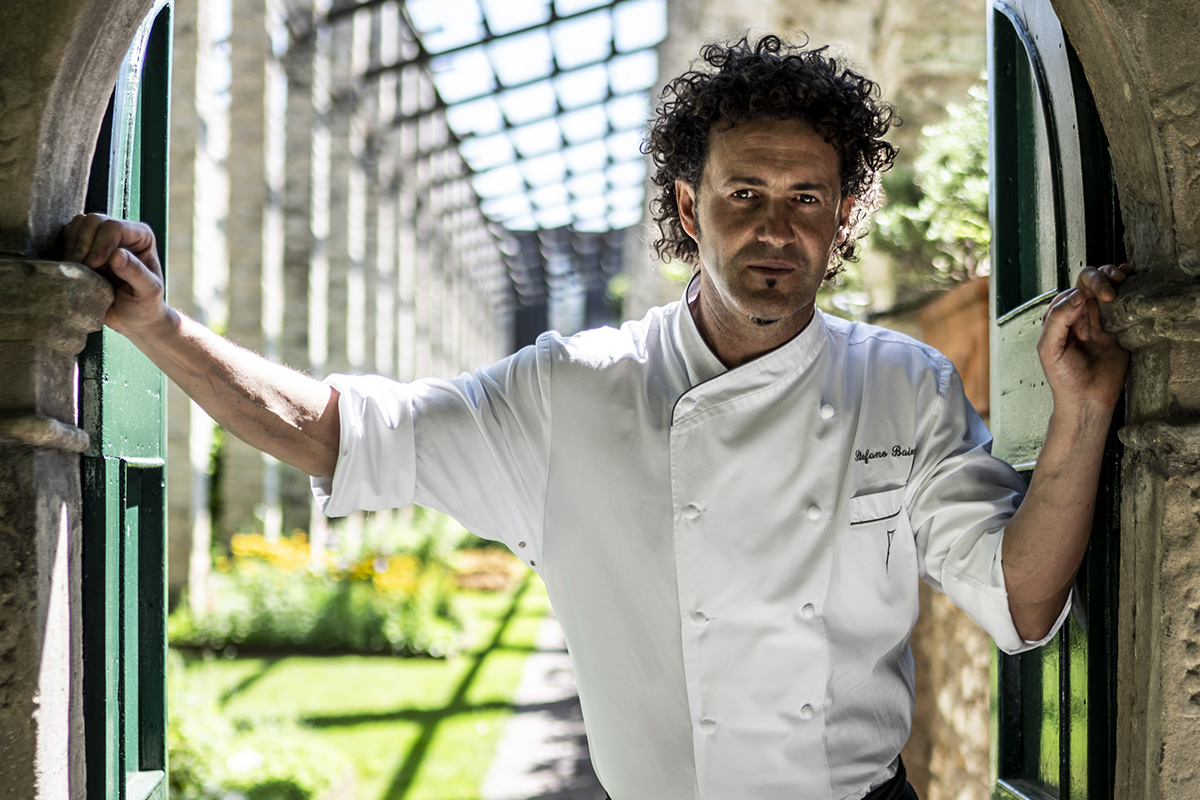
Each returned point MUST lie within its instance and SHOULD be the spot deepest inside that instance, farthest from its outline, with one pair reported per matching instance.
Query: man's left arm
(1045, 541)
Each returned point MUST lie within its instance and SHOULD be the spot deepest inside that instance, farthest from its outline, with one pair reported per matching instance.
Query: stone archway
(1141, 62)
(58, 64)
(1140, 59)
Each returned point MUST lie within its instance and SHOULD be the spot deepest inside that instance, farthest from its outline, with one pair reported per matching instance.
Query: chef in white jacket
(732, 499)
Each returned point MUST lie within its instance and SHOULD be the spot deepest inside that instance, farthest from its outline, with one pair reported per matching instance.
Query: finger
(1115, 273)
(1086, 326)
(142, 281)
(1101, 282)
(1063, 312)
(79, 234)
(1093, 282)
(114, 234)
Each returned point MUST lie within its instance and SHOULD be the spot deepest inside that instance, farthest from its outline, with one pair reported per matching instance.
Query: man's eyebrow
(799, 186)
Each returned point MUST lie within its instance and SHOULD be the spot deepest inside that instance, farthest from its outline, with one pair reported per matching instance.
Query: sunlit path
(543, 753)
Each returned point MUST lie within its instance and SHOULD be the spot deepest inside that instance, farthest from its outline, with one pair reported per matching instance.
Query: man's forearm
(1045, 541)
(269, 406)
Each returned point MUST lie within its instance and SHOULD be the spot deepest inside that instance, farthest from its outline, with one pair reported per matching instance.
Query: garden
(380, 672)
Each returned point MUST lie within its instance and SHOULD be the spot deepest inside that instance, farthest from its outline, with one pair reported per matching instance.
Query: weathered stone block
(41, 683)
(46, 313)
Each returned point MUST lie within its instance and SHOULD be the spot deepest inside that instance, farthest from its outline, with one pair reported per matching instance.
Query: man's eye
(806, 199)
(743, 194)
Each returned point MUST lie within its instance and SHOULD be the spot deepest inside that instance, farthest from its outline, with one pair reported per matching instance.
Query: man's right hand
(124, 253)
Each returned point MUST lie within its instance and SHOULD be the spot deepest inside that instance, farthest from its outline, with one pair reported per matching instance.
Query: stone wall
(1142, 65)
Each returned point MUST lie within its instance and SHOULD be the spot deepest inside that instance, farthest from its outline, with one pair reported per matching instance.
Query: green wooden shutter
(1054, 210)
(121, 407)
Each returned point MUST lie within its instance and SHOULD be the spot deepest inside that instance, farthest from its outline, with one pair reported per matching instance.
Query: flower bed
(279, 595)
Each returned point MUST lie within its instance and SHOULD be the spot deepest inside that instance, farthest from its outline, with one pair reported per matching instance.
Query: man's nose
(774, 226)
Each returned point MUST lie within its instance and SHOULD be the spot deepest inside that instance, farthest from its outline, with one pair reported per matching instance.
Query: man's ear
(844, 219)
(685, 199)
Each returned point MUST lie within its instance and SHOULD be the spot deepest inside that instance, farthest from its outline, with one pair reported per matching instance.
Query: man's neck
(738, 341)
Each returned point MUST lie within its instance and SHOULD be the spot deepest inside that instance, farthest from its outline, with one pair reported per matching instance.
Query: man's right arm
(273, 408)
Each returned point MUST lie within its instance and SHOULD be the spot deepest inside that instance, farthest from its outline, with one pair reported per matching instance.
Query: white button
(827, 411)
(691, 511)
(687, 404)
(808, 611)
(807, 711)
(700, 618)
(709, 725)
(814, 513)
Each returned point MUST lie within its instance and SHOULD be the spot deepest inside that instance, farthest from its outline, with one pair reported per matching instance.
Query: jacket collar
(702, 364)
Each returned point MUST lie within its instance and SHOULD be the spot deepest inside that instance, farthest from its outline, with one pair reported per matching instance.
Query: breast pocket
(881, 556)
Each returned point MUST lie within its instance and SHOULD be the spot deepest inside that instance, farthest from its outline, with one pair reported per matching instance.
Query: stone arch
(1140, 60)
(1141, 63)
(57, 71)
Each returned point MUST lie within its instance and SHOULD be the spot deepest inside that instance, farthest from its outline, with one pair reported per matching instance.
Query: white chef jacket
(733, 553)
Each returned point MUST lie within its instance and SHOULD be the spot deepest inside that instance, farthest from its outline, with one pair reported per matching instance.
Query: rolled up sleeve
(475, 447)
(960, 501)
(376, 466)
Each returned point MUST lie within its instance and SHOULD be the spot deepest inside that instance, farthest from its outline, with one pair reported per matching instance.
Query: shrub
(214, 758)
(936, 219)
(271, 595)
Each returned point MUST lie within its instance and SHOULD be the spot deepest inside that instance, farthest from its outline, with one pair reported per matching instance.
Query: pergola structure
(543, 104)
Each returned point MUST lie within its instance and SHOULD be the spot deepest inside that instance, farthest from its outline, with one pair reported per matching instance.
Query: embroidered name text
(867, 456)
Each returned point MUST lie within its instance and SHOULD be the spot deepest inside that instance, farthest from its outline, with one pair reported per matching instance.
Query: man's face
(765, 217)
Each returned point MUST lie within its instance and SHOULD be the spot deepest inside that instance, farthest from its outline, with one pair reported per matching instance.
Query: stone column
(346, 241)
(299, 242)
(249, 480)
(318, 266)
(46, 311)
(196, 266)
(338, 243)
(1158, 668)
(1140, 60)
(407, 249)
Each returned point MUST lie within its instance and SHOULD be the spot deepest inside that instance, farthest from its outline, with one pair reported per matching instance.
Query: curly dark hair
(748, 80)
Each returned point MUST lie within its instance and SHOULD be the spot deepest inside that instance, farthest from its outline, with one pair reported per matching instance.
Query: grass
(414, 729)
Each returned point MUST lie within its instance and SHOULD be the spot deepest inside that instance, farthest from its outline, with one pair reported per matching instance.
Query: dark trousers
(897, 788)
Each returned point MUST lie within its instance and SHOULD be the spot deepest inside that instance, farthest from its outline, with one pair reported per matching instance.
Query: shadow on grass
(248, 681)
(428, 719)
(403, 779)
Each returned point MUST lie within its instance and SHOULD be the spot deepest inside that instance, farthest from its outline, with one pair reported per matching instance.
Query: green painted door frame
(121, 407)
(1054, 210)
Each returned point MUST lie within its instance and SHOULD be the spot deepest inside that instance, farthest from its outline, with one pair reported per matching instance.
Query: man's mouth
(771, 271)
(770, 268)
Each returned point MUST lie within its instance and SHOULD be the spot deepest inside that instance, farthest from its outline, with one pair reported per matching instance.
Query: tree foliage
(936, 221)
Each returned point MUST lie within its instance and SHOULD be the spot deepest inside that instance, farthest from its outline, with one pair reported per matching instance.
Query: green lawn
(417, 729)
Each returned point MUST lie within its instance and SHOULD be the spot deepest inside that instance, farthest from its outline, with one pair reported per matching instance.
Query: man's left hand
(1084, 364)
(1045, 541)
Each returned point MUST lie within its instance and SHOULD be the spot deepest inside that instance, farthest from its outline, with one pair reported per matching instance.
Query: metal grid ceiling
(549, 100)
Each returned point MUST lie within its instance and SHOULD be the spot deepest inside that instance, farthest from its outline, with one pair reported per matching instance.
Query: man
(731, 500)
